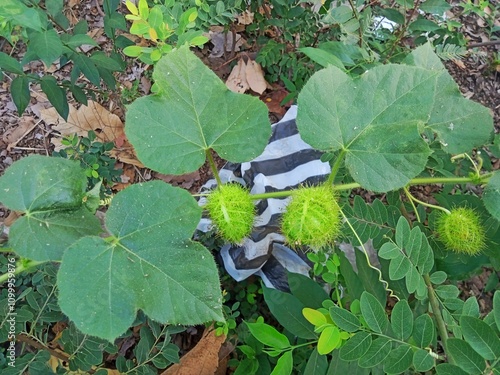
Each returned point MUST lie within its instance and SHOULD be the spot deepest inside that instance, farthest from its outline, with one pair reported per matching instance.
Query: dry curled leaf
(13, 135)
(255, 77)
(237, 81)
(107, 126)
(245, 18)
(203, 359)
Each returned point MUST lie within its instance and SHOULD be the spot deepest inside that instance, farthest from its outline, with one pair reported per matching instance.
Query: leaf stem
(335, 168)
(213, 166)
(441, 326)
(20, 267)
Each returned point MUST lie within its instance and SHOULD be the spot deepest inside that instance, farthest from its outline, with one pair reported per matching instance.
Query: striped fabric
(286, 163)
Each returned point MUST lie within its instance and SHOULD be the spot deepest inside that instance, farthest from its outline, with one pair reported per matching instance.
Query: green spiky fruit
(232, 211)
(312, 217)
(461, 231)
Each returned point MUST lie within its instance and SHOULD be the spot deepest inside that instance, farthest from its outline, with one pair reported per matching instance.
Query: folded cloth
(286, 163)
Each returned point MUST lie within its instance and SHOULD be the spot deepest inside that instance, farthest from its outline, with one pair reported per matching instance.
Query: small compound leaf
(20, 91)
(423, 330)
(47, 45)
(423, 360)
(344, 319)
(322, 57)
(356, 346)
(481, 337)
(287, 309)
(87, 67)
(449, 369)
(402, 320)
(491, 196)
(192, 113)
(268, 335)
(465, 357)
(373, 313)
(399, 360)
(378, 351)
(10, 64)
(399, 267)
(45, 236)
(56, 95)
(328, 340)
(150, 263)
(317, 364)
(31, 185)
(284, 366)
(496, 308)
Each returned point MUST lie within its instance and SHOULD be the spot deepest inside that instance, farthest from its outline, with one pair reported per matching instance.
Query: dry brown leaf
(255, 77)
(245, 18)
(15, 134)
(203, 359)
(127, 177)
(237, 81)
(107, 126)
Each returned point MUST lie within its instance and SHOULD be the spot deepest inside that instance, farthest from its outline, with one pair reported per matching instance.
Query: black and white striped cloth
(286, 163)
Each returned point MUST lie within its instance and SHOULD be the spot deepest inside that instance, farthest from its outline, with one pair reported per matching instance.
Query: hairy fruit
(312, 217)
(461, 231)
(232, 210)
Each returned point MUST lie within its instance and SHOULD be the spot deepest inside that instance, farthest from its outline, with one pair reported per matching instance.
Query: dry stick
(14, 144)
(38, 345)
(482, 44)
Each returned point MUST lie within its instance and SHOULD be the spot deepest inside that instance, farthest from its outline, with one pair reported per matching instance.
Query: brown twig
(38, 345)
(482, 44)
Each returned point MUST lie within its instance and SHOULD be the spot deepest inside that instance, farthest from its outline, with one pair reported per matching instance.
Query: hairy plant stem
(415, 181)
(335, 168)
(441, 326)
(213, 167)
(19, 268)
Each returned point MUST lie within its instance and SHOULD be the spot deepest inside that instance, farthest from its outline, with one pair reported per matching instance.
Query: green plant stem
(213, 167)
(416, 181)
(413, 199)
(335, 168)
(441, 326)
(19, 268)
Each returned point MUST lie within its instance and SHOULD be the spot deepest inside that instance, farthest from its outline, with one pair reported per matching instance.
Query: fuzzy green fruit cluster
(312, 217)
(461, 231)
(232, 210)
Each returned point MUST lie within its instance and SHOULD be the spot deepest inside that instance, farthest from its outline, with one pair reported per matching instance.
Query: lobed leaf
(491, 196)
(149, 263)
(193, 112)
(52, 204)
(395, 99)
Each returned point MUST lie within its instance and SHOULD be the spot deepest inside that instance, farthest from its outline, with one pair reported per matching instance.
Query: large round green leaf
(193, 112)
(458, 124)
(374, 118)
(491, 196)
(150, 263)
(50, 193)
(39, 183)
